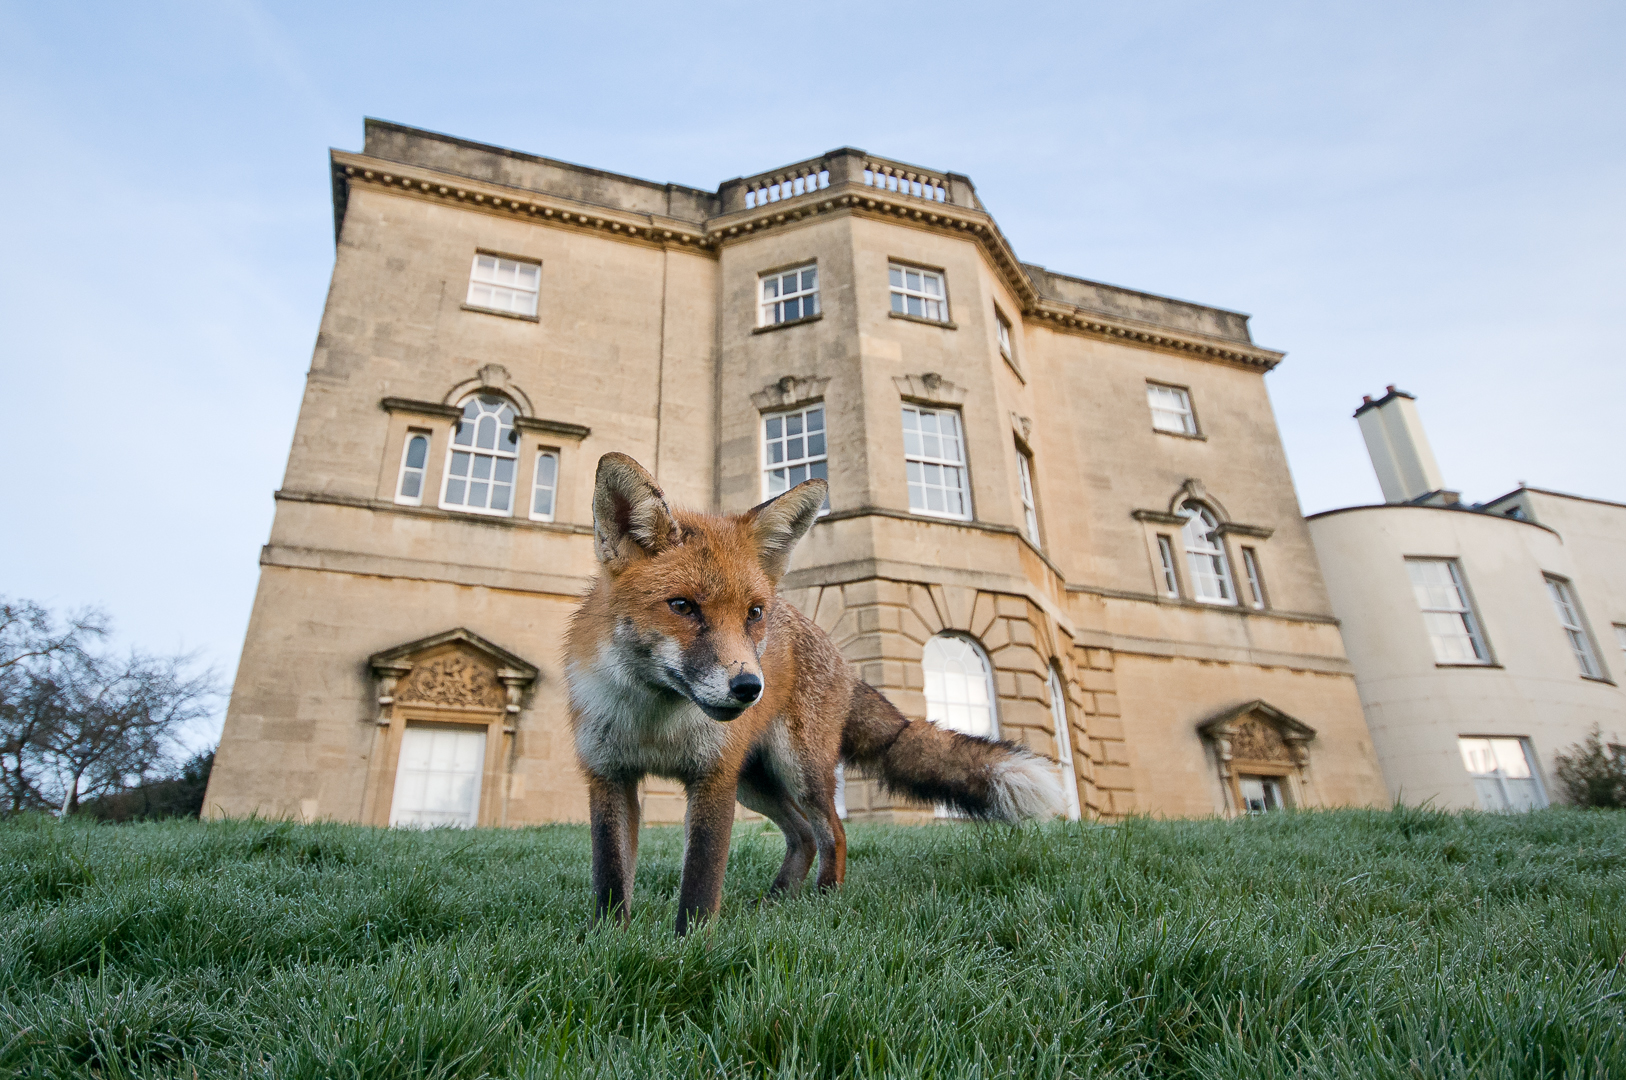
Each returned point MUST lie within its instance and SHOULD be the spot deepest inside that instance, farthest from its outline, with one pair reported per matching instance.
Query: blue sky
(1422, 194)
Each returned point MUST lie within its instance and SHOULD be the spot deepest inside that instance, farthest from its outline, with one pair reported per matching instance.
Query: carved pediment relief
(1258, 732)
(457, 669)
(453, 678)
(931, 388)
(790, 390)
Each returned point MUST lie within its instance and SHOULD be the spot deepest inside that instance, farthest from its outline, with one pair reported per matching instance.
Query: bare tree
(33, 647)
(74, 723)
(112, 721)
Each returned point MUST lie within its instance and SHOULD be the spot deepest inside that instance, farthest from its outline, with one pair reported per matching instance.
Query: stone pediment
(457, 669)
(1258, 732)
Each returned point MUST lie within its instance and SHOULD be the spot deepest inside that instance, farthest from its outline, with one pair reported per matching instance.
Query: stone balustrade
(906, 180)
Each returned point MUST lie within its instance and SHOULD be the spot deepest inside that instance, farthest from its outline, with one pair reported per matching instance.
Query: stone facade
(647, 339)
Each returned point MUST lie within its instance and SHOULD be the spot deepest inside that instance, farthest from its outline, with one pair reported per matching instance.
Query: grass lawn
(1348, 944)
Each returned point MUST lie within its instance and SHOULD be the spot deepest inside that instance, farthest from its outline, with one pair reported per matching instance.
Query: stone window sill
(1599, 678)
(1194, 436)
(1493, 667)
(940, 324)
(504, 314)
(788, 324)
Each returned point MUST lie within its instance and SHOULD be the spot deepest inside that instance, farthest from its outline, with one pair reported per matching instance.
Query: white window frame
(771, 308)
(1492, 785)
(421, 472)
(511, 285)
(472, 448)
(1171, 575)
(1272, 793)
(812, 465)
(1206, 559)
(1178, 419)
(1573, 622)
(897, 276)
(1030, 506)
(402, 812)
(537, 486)
(1256, 579)
(922, 462)
(1064, 745)
(1003, 330)
(1620, 636)
(1460, 615)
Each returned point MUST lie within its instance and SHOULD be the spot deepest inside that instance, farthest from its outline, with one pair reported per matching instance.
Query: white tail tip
(1026, 786)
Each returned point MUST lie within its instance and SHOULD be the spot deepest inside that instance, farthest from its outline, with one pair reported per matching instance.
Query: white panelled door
(438, 779)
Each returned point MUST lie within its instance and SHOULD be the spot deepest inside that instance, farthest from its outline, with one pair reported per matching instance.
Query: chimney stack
(1399, 449)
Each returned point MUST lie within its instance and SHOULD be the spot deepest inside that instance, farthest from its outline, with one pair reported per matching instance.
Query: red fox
(683, 662)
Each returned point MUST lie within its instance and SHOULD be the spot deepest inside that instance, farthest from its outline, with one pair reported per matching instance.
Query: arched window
(480, 463)
(959, 686)
(1205, 555)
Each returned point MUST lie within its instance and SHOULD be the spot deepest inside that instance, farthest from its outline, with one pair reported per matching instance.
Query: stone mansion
(1059, 510)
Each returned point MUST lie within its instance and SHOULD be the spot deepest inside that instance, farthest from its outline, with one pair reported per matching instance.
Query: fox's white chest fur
(625, 726)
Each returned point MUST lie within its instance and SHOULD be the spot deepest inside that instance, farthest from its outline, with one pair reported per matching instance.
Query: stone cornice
(480, 195)
(553, 427)
(848, 197)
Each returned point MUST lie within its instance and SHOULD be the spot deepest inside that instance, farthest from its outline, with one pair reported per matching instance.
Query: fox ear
(629, 512)
(780, 522)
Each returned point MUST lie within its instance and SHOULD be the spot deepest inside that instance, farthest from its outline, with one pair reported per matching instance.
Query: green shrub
(1593, 773)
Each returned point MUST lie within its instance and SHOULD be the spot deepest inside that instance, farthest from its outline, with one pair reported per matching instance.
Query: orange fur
(683, 662)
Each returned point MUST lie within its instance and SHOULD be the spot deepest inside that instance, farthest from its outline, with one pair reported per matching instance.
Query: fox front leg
(613, 811)
(709, 825)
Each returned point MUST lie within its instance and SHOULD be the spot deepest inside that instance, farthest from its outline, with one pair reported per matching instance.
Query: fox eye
(681, 606)
(755, 613)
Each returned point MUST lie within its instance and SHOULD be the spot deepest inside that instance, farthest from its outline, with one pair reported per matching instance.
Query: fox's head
(692, 594)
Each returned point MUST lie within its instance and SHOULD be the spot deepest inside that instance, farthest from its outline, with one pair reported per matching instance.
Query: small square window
(1171, 409)
(934, 460)
(1442, 596)
(918, 292)
(795, 448)
(545, 486)
(500, 284)
(788, 295)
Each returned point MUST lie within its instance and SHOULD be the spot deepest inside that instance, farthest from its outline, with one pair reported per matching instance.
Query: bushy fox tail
(983, 778)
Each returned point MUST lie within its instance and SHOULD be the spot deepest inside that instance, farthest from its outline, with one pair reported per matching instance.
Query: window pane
(454, 492)
(896, 275)
(543, 504)
(547, 469)
(774, 427)
(477, 494)
(505, 470)
(482, 467)
(793, 425)
(815, 445)
(499, 496)
(417, 451)
(411, 484)
(815, 419)
(914, 306)
(460, 464)
(897, 303)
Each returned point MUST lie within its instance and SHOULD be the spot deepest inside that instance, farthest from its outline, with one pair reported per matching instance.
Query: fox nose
(745, 688)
